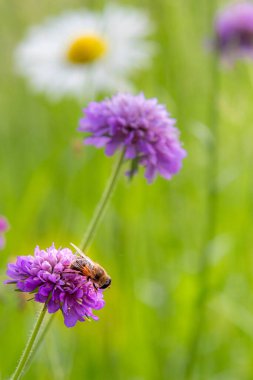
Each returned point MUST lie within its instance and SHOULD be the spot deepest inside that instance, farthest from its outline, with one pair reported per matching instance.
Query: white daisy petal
(84, 53)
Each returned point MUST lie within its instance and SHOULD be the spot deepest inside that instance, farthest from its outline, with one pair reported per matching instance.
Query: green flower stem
(210, 229)
(29, 346)
(100, 209)
(40, 339)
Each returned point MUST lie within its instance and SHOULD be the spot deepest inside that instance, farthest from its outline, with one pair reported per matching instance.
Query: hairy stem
(29, 346)
(100, 209)
(40, 339)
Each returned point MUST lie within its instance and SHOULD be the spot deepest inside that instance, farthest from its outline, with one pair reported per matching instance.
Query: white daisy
(83, 53)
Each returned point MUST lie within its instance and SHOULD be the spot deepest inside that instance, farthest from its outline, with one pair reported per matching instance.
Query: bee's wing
(86, 258)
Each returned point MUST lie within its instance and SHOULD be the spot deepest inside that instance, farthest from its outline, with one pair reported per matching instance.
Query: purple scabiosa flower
(140, 126)
(4, 226)
(48, 276)
(234, 31)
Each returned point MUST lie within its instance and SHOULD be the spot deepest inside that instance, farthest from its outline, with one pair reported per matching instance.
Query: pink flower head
(48, 276)
(234, 31)
(140, 126)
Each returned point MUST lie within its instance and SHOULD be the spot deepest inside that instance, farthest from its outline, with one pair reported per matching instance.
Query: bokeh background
(152, 237)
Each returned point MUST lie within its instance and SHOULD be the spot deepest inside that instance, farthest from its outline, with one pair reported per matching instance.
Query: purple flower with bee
(140, 126)
(54, 279)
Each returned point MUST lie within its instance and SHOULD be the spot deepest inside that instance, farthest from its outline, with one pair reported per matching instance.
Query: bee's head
(106, 283)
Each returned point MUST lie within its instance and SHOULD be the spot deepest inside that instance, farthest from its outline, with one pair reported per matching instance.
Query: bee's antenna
(78, 250)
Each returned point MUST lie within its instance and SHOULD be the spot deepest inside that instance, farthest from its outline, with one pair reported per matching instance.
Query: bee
(91, 270)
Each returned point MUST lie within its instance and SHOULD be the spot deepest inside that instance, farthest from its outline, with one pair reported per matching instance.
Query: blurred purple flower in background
(48, 276)
(4, 226)
(142, 127)
(234, 31)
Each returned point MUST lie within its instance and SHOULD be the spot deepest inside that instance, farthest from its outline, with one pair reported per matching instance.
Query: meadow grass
(151, 238)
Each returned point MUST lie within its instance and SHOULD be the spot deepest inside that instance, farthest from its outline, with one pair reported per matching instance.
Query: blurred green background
(151, 238)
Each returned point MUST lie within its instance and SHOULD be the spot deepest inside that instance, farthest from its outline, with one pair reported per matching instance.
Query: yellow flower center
(86, 49)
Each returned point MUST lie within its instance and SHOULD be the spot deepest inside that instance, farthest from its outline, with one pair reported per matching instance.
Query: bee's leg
(94, 285)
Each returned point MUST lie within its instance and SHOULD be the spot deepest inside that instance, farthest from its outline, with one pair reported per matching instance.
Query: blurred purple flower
(48, 276)
(234, 31)
(4, 226)
(142, 127)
